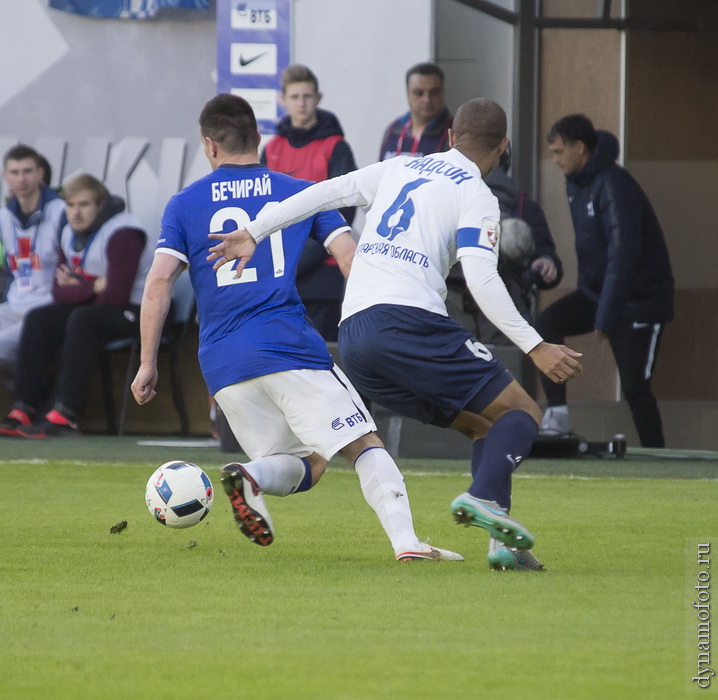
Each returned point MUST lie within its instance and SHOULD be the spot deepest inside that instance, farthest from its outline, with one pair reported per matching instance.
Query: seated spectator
(425, 127)
(104, 258)
(309, 144)
(5, 275)
(30, 223)
(523, 275)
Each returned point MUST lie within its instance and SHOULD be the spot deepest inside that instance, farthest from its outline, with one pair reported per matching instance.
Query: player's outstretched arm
(156, 300)
(237, 245)
(557, 362)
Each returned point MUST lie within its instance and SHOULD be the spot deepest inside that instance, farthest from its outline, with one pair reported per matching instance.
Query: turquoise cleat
(505, 559)
(469, 510)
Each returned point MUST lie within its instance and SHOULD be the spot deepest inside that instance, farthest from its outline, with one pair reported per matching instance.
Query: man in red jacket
(310, 145)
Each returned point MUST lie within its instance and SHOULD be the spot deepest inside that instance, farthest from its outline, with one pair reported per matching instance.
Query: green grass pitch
(325, 612)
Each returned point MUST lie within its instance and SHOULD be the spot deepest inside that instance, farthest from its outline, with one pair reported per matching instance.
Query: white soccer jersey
(425, 213)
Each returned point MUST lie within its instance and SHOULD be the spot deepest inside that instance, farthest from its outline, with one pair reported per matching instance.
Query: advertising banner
(253, 48)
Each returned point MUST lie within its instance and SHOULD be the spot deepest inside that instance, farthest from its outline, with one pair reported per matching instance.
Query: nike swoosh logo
(246, 61)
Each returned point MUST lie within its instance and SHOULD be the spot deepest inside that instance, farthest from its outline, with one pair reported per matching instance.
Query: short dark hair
(427, 68)
(572, 128)
(229, 120)
(21, 152)
(482, 122)
(46, 169)
(298, 73)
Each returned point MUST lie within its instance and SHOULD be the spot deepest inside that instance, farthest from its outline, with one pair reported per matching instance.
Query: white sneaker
(425, 552)
(555, 422)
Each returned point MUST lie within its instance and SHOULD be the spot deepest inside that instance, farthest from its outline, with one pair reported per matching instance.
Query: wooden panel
(684, 195)
(580, 72)
(672, 149)
(687, 367)
(672, 94)
(583, 9)
(159, 416)
(552, 195)
(688, 361)
(599, 377)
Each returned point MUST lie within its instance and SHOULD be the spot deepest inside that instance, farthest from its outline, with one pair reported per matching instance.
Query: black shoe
(53, 425)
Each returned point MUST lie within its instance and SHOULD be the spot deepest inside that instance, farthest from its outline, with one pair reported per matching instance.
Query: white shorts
(295, 412)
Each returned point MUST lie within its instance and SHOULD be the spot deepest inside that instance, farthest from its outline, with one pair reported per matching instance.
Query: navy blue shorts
(419, 364)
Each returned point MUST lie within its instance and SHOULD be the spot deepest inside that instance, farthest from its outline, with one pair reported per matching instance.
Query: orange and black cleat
(250, 510)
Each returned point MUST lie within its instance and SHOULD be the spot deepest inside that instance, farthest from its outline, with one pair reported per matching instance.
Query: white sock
(383, 487)
(277, 475)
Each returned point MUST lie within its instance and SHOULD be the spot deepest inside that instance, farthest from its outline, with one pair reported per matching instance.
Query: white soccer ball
(517, 241)
(179, 494)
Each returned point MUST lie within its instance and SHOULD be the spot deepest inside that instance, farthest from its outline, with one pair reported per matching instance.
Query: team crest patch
(493, 230)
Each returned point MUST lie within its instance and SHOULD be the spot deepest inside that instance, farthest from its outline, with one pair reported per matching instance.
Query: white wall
(113, 78)
(120, 98)
(360, 52)
(476, 52)
(116, 98)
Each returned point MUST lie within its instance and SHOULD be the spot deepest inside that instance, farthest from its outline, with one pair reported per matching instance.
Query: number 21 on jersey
(225, 274)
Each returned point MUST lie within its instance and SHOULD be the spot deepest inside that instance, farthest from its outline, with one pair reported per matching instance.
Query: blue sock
(477, 452)
(507, 443)
(306, 482)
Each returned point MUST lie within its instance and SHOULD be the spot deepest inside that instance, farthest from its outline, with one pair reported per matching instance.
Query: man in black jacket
(625, 285)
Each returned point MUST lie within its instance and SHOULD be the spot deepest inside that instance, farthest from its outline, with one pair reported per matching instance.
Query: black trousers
(59, 347)
(635, 349)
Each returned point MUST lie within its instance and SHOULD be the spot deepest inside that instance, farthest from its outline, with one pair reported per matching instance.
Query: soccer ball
(179, 494)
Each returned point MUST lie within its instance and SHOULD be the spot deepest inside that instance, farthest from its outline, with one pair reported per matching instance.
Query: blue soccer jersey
(256, 324)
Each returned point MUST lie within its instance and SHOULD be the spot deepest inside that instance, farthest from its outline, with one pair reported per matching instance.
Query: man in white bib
(97, 289)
